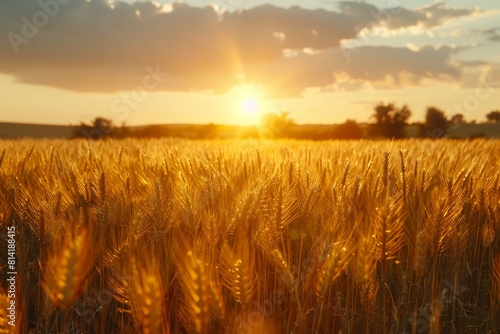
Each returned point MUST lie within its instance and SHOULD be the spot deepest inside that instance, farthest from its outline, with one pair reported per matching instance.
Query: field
(249, 236)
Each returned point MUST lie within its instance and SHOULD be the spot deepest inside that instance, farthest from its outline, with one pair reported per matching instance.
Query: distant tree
(436, 123)
(277, 125)
(390, 122)
(208, 131)
(348, 130)
(153, 131)
(285, 119)
(123, 131)
(494, 116)
(100, 128)
(251, 131)
(477, 136)
(458, 119)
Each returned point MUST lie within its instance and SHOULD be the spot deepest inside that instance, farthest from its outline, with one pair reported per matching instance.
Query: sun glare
(247, 104)
(250, 110)
(250, 106)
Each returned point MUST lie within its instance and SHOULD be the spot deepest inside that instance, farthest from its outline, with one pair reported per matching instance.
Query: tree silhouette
(458, 119)
(277, 125)
(390, 122)
(493, 116)
(99, 128)
(436, 123)
(153, 131)
(208, 131)
(348, 130)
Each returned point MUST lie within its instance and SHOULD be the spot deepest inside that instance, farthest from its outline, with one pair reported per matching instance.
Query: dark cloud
(433, 15)
(90, 46)
(386, 67)
(437, 13)
(492, 34)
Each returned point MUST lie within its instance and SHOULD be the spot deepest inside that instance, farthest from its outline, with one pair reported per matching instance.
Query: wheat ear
(335, 261)
(67, 270)
(146, 297)
(238, 273)
(195, 284)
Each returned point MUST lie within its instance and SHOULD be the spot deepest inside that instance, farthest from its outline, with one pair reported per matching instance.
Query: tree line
(387, 121)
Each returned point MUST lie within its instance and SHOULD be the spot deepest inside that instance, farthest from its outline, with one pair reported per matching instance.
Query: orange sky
(150, 63)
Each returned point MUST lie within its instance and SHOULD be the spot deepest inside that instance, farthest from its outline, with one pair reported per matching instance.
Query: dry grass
(252, 236)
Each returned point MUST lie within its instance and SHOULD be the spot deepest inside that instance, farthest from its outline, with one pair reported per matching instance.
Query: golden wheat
(252, 236)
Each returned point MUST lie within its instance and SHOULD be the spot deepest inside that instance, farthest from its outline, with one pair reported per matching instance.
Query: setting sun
(250, 106)
(250, 110)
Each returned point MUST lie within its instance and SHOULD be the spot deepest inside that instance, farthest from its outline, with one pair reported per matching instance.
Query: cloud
(382, 67)
(493, 34)
(437, 14)
(369, 16)
(90, 46)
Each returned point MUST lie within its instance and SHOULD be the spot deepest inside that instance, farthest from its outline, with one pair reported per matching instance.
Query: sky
(230, 61)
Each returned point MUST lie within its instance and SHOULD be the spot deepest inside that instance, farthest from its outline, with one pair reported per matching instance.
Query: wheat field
(250, 236)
